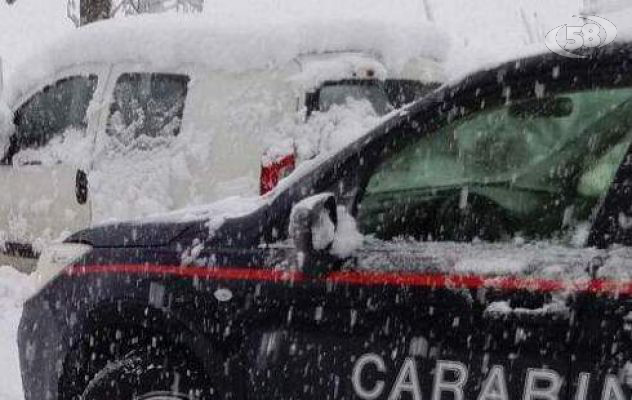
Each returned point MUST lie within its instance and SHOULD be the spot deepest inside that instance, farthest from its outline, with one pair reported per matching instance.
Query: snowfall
(480, 32)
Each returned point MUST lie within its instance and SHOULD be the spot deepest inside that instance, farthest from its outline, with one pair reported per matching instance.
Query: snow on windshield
(326, 132)
(72, 147)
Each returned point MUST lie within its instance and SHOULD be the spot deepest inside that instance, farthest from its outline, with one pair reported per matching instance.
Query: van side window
(147, 108)
(53, 112)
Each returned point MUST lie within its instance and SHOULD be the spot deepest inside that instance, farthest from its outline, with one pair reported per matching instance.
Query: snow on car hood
(213, 215)
(160, 229)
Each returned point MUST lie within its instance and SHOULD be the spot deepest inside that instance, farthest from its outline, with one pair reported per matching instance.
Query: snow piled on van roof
(233, 43)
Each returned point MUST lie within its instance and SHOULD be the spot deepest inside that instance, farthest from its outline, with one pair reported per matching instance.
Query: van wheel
(142, 377)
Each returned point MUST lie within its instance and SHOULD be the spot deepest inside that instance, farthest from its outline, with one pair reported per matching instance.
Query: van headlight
(54, 259)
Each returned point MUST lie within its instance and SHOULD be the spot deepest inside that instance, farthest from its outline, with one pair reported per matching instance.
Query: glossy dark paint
(299, 338)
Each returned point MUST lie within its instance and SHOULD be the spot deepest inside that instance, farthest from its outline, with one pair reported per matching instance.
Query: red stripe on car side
(443, 280)
(246, 274)
(365, 278)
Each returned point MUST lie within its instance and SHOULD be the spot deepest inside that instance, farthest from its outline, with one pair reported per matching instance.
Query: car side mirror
(313, 224)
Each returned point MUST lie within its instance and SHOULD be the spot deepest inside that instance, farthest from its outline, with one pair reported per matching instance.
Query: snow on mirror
(312, 227)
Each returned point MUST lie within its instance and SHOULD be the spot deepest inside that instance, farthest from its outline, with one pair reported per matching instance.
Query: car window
(147, 108)
(340, 93)
(57, 110)
(402, 91)
(533, 169)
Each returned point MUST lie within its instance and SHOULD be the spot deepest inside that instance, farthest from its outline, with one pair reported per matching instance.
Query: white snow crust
(15, 287)
(227, 43)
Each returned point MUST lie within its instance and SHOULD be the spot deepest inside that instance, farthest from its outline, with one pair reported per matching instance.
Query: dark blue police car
(534, 154)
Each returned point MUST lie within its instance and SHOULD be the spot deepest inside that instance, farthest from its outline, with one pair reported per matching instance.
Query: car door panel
(348, 340)
(141, 122)
(335, 330)
(53, 142)
(603, 351)
(29, 213)
(533, 352)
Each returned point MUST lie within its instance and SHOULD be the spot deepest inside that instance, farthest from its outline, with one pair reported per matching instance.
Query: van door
(43, 175)
(133, 170)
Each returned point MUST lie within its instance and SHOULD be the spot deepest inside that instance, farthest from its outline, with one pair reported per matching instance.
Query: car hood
(233, 219)
(133, 234)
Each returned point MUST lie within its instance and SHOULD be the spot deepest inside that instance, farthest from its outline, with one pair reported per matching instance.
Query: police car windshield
(534, 169)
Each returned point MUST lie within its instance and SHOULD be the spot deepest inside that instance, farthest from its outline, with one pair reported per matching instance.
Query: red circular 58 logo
(596, 32)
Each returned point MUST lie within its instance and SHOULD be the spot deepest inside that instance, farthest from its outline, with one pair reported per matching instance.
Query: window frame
(388, 86)
(152, 75)
(312, 99)
(23, 94)
(484, 90)
(448, 122)
(118, 69)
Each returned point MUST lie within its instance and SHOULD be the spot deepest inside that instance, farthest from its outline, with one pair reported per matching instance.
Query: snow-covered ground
(14, 288)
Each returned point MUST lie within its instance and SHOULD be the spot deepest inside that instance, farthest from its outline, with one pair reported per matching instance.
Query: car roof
(170, 41)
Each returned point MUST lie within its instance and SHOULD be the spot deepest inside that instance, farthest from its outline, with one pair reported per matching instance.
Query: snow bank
(27, 27)
(15, 287)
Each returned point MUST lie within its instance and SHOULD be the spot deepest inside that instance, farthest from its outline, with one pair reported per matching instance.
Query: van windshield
(340, 94)
(384, 96)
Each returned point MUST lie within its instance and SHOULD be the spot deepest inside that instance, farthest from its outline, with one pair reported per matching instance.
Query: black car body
(257, 315)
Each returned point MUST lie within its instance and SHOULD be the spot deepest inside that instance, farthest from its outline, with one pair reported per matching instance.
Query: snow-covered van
(345, 94)
(131, 117)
